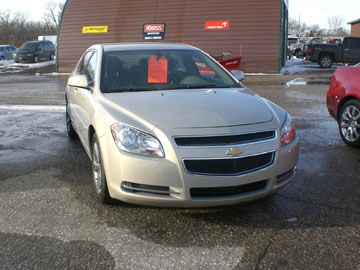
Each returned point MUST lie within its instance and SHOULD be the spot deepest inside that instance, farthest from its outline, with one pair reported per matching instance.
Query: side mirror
(226, 54)
(239, 75)
(80, 81)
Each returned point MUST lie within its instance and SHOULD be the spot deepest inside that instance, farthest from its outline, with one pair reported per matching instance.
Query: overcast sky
(317, 11)
(310, 11)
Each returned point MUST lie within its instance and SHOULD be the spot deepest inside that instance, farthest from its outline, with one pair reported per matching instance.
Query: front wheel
(98, 172)
(349, 123)
(326, 61)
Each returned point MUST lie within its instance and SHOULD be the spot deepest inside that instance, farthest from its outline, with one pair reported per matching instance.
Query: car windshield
(150, 70)
(29, 46)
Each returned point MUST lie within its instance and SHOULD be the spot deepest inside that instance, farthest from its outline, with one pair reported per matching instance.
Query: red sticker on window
(157, 69)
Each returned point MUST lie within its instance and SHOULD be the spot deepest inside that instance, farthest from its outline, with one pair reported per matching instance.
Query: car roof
(145, 46)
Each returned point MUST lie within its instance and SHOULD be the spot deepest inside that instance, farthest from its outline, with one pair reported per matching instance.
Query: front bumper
(169, 174)
(24, 58)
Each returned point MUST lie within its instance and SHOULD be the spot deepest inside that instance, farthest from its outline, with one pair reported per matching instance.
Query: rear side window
(353, 43)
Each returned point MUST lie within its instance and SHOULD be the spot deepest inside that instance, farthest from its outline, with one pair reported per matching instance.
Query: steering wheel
(175, 76)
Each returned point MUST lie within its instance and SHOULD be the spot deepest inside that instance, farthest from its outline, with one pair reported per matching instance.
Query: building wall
(355, 30)
(254, 27)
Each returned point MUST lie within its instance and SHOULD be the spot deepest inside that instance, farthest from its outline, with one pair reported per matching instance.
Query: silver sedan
(166, 125)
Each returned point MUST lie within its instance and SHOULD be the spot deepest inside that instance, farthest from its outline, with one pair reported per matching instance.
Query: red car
(343, 102)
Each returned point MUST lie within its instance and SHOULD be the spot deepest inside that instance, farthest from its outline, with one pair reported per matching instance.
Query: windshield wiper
(129, 89)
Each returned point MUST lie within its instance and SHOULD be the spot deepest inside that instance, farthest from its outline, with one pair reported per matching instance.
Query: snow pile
(296, 66)
(9, 66)
(6, 62)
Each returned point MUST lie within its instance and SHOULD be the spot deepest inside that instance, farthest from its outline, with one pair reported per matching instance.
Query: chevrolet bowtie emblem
(234, 152)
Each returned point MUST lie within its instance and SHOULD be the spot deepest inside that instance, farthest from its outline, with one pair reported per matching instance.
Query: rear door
(40, 51)
(351, 47)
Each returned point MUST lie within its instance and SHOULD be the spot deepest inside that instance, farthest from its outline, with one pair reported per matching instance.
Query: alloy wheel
(326, 61)
(350, 123)
(96, 167)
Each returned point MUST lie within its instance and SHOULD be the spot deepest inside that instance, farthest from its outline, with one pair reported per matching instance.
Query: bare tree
(315, 31)
(335, 24)
(297, 29)
(53, 14)
(15, 28)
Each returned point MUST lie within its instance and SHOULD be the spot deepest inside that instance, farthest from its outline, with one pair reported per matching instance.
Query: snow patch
(296, 82)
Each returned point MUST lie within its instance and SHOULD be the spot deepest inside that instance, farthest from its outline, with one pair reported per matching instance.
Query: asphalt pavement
(50, 220)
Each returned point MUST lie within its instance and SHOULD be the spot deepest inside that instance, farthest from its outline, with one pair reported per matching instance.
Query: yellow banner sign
(94, 29)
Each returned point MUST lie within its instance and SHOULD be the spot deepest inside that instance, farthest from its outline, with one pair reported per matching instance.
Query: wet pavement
(50, 220)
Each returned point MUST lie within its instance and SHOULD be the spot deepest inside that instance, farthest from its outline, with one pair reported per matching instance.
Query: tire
(52, 57)
(326, 61)
(69, 127)
(17, 61)
(98, 173)
(299, 54)
(349, 123)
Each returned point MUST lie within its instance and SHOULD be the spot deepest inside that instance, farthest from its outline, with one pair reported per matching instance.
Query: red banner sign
(218, 25)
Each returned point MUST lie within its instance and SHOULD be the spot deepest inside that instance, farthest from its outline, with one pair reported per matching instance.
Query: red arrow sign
(217, 25)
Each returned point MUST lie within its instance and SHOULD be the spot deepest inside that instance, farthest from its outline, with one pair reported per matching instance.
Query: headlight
(288, 131)
(14, 54)
(134, 141)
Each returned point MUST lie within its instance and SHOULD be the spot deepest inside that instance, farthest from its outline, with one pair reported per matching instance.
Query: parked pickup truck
(326, 54)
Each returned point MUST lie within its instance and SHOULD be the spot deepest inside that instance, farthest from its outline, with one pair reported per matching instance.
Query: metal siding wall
(355, 30)
(254, 27)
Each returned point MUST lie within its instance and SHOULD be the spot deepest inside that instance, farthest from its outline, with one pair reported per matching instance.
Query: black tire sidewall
(356, 103)
(69, 127)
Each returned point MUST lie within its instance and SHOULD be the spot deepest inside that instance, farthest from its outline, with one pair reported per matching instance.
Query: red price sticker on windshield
(157, 69)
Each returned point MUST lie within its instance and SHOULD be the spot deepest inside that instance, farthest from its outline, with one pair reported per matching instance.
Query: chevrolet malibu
(166, 125)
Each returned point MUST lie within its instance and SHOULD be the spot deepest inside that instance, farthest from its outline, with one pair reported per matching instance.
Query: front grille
(227, 191)
(140, 188)
(225, 140)
(234, 166)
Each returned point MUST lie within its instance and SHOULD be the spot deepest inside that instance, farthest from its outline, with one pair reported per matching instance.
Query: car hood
(195, 108)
